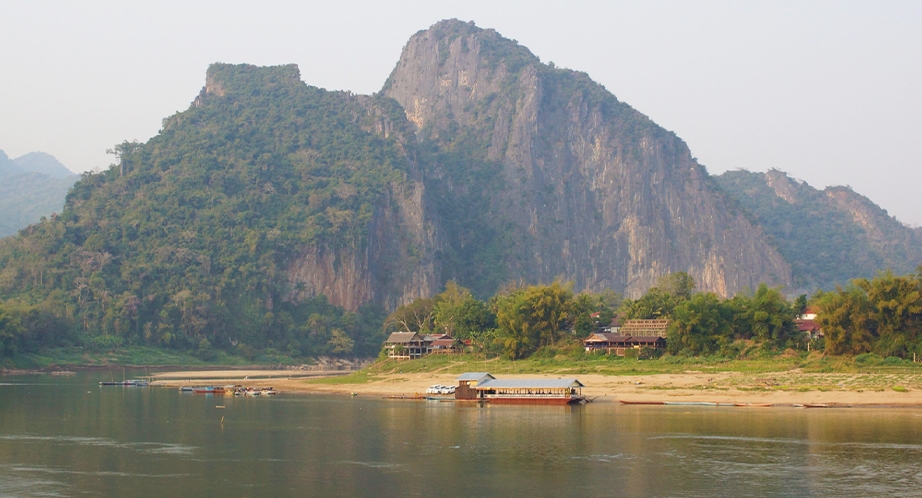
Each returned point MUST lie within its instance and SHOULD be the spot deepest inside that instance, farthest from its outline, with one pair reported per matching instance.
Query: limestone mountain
(829, 236)
(31, 186)
(230, 224)
(539, 172)
(261, 212)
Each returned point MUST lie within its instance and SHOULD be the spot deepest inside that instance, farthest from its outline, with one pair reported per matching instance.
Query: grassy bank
(614, 365)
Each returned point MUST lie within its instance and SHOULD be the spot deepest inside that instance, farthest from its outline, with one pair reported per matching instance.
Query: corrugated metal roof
(528, 384)
(399, 337)
(474, 375)
(606, 337)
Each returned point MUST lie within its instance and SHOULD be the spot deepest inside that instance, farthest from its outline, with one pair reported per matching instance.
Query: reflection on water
(69, 437)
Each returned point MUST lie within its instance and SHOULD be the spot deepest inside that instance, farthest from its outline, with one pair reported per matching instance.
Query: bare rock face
(588, 189)
(395, 267)
(396, 263)
(897, 245)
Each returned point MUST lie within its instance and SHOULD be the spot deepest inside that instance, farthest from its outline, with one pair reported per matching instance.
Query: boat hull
(535, 401)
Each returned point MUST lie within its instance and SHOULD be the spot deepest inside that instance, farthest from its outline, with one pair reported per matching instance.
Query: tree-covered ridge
(186, 237)
(817, 232)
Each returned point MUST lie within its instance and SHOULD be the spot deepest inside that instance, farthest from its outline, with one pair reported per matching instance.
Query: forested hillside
(828, 236)
(185, 242)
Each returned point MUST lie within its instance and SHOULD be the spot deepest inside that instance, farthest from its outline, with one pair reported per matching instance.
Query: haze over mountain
(31, 186)
(268, 202)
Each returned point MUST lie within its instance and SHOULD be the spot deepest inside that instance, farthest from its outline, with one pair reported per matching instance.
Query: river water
(67, 436)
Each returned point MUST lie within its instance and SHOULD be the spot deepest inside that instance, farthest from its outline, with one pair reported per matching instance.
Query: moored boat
(138, 383)
(529, 391)
(690, 403)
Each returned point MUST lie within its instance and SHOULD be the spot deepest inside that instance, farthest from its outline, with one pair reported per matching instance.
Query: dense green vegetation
(182, 243)
(882, 316)
(823, 243)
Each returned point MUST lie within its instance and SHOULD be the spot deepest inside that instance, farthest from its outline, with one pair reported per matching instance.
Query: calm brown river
(66, 436)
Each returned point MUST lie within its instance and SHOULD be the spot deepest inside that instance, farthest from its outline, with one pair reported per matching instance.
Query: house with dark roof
(410, 345)
(405, 346)
(806, 324)
(619, 343)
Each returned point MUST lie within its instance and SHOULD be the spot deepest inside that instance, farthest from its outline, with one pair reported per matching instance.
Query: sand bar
(779, 388)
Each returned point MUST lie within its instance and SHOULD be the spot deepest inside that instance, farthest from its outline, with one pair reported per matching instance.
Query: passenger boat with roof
(481, 386)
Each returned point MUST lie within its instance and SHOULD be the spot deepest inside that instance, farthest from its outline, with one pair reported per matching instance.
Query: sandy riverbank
(781, 388)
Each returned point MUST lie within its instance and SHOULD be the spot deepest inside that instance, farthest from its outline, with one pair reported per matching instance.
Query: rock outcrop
(587, 188)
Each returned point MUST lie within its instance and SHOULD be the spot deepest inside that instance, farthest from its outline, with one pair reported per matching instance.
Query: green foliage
(590, 311)
(820, 239)
(700, 325)
(460, 315)
(188, 236)
(532, 317)
(661, 300)
(882, 316)
(765, 316)
(11, 332)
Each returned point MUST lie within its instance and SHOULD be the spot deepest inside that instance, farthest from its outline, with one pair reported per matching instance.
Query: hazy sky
(830, 92)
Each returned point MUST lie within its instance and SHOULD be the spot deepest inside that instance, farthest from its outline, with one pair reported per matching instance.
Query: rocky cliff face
(584, 187)
(396, 265)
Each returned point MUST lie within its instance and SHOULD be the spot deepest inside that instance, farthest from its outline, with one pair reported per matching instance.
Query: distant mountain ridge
(828, 236)
(31, 186)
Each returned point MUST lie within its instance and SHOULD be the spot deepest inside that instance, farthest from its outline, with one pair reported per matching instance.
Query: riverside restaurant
(483, 387)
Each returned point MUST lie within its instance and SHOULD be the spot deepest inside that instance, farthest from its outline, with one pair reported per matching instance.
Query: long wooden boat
(690, 403)
(630, 402)
(754, 405)
(503, 400)
(208, 390)
(138, 383)
(416, 397)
